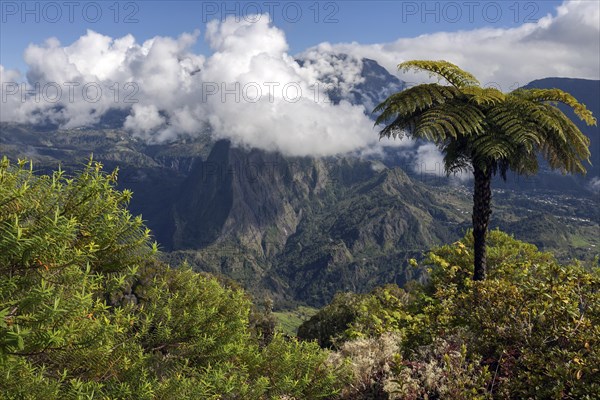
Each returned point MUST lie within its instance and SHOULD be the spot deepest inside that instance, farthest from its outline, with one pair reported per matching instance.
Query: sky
(306, 23)
(184, 67)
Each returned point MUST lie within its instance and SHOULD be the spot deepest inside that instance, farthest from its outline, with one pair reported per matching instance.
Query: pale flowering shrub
(441, 370)
(372, 362)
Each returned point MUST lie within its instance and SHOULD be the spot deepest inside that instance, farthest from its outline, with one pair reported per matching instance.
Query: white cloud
(144, 119)
(430, 161)
(565, 45)
(287, 114)
(249, 90)
(594, 184)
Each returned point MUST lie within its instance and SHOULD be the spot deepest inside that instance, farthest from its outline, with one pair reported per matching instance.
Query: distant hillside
(304, 228)
(300, 229)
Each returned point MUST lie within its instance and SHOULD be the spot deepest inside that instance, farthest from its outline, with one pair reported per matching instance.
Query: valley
(299, 229)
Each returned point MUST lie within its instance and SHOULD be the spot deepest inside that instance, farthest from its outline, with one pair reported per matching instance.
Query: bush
(531, 330)
(535, 323)
(63, 241)
(443, 370)
(372, 363)
(87, 310)
(351, 316)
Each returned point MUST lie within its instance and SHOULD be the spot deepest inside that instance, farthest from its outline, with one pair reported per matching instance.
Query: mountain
(299, 229)
(296, 227)
(374, 85)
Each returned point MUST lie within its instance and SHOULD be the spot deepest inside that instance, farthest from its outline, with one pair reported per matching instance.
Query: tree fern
(486, 130)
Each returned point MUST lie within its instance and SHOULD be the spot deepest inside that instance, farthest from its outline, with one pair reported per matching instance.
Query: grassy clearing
(288, 321)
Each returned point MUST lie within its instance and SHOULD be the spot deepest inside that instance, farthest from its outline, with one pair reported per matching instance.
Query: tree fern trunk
(482, 209)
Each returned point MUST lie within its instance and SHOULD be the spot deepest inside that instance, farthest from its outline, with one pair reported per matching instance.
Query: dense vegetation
(88, 311)
(531, 330)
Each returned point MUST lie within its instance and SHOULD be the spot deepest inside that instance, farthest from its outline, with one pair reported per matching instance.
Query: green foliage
(86, 310)
(352, 316)
(483, 127)
(263, 321)
(299, 370)
(530, 330)
(443, 69)
(329, 324)
(536, 323)
(52, 222)
(444, 370)
(289, 321)
(63, 242)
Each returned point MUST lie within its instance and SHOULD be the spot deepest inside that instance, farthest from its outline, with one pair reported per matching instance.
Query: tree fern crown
(481, 126)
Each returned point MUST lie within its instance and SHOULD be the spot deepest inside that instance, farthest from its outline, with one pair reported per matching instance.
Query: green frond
(513, 112)
(397, 129)
(508, 119)
(449, 120)
(492, 146)
(485, 127)
(525, 137)
(541, 126)
(444, 69)
(456, 158)
(568, 150)
(484, 96)
(414, 99)
(571, 132)
(557, 96)
(524, 165)
(558, 157)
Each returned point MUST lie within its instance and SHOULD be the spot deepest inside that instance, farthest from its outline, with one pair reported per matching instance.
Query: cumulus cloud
(280, 107)
(249, 90)
(564, 45)
(594, 184)
(144, 119)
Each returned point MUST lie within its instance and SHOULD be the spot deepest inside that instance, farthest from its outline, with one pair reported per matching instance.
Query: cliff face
(303, 228)
(252, 197)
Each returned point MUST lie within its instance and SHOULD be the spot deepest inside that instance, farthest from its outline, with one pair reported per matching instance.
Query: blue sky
(305, 23)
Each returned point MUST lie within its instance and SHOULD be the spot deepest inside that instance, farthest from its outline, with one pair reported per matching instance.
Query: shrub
(531, 330)
(87, 310)
(534, 322)
(372, 362)
(350, 316)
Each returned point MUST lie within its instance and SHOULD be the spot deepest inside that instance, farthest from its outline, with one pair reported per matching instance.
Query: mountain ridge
(299, 229)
